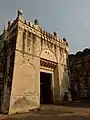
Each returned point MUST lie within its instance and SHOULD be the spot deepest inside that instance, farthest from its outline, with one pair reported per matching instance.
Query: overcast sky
(70, 18)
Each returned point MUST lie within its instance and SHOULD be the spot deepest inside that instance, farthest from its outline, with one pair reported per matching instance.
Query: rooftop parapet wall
(37, 30)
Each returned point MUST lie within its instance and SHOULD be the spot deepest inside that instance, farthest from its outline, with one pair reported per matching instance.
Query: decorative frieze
(47, 64)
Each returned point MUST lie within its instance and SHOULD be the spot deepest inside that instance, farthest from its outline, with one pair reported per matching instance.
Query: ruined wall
(8, 59)
(79, 74)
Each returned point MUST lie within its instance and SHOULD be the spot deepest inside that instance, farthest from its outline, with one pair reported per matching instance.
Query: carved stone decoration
(47, 64)
(47, 54)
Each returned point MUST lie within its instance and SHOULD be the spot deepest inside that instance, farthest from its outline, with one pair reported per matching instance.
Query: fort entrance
(47, 68)
(39, 64)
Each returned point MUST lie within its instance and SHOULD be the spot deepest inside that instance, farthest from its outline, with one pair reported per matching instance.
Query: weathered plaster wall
(33, 44)
(25, 85)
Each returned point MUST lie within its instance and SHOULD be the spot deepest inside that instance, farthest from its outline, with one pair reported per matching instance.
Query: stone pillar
(26, 50)
(19, 40)
(56, 85)
(60, 72)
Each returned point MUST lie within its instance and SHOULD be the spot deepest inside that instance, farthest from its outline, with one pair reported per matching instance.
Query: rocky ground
(54, 112)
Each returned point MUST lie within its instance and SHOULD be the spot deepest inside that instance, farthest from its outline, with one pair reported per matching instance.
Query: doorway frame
(50, 71)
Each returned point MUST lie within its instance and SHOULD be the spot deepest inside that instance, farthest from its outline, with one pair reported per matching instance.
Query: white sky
(71, 18)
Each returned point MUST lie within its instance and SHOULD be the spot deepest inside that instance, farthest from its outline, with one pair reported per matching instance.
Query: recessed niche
(29, 49)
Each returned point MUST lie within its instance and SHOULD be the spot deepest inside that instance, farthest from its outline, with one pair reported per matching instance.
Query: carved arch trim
(31, 71)
(48, 55)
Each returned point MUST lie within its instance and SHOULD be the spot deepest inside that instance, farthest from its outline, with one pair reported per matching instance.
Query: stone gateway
(32, 64)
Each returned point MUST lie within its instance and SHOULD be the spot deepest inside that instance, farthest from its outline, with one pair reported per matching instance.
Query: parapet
(19, 13)
(36, 22)
(36, 26)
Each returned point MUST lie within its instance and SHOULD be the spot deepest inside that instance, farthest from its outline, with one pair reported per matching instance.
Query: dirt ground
(54, 112)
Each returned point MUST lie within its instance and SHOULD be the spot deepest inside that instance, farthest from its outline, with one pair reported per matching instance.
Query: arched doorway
(48, 62)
